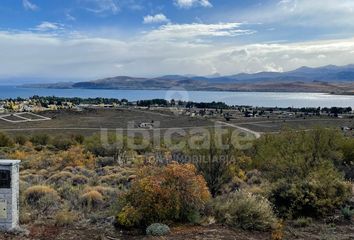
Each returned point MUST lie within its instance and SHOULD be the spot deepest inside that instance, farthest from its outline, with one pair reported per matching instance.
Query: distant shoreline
(192, 90)
(188, 90)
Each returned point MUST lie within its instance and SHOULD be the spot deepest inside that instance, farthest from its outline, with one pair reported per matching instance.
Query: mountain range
(331, 78)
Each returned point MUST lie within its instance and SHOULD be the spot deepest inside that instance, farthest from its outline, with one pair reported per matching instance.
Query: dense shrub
(78, 138)
(76, 156)
(62, 143)
(244, 210)
(347, 213)
(319, 194)
(157, 230)
(20, 139)
(171, 193)
(302, 168)
(303, 222)
(5, 141)
(40, 139)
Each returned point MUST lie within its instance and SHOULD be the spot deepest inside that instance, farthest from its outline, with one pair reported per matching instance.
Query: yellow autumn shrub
(172, 193)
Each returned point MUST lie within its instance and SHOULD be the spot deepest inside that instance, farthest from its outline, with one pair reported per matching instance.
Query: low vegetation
(291, 179)
(244, 210)
(174, 193)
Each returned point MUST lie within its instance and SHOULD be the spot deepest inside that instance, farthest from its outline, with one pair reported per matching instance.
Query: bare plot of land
(91, 121)
(299, 124)
(23, 117)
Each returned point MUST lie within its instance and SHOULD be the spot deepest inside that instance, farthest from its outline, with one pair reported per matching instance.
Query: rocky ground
(316, 231)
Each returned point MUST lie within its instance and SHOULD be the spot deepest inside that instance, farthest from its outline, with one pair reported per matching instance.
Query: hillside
(337, 79)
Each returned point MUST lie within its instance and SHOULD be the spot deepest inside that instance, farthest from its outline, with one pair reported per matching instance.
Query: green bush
(303, 222)
(317, 195)
(347, 213)
(62, 143)
(302, 168)
(172, 193)
(5, 141)
(157, 230)
(40, 139)
(20, 139)
(244, 210)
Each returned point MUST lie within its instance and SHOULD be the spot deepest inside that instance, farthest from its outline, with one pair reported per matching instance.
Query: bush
(5, 141)
(303, 222)
(62, 143)
(35, 193)
(347, 213)
(317, 195)
(216, 164)
(43, 198)
(79, 180)
(78, 138)
(157, 230)
(91, 199)
(301, 167)
(20, 139)
(244, 210)
(171, 193)
(40, 139)
(61, 178)
(114, 179)
(76, 156)
(65, 218)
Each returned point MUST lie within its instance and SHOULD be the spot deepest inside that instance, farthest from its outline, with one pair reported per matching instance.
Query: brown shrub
(43, 198)
(91, 199)
(65, 218)
(61, 178)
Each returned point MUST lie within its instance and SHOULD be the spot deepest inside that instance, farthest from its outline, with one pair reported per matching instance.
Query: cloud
(29, 6)
(158, 18)
(101, 7)
(197, 31)
(48, 26)
(69, 17)
(300, 13)
(288, 5)
(40, 55)
(192, 3)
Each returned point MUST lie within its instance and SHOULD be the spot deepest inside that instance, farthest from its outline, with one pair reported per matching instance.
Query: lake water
(268, 99)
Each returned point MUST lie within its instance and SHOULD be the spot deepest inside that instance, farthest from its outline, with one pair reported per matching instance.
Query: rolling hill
(337, 79)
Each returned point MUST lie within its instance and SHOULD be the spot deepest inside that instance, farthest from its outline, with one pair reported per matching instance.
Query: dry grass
(65, 218)
(92, 199)
(35, 193)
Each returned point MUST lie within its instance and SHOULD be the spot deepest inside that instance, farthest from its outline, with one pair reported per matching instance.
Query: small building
(146, 125)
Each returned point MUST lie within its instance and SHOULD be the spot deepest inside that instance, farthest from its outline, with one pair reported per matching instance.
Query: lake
(262, 99)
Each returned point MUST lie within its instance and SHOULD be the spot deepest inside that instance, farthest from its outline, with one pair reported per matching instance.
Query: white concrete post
(9, 194)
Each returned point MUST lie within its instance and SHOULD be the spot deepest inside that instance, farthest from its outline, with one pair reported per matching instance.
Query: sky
(75, 40)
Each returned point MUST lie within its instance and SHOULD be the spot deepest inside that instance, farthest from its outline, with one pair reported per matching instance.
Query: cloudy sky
(42, 40)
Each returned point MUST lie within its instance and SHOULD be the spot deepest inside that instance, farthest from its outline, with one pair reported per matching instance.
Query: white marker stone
(9, 194)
